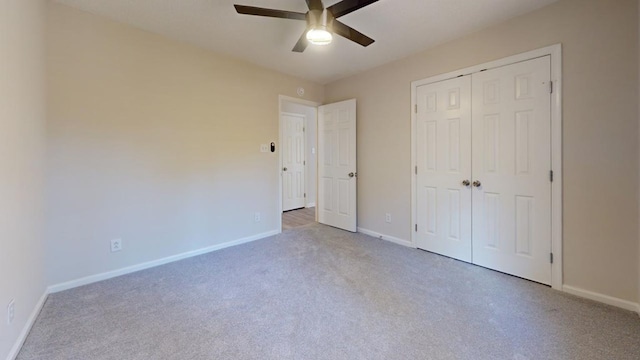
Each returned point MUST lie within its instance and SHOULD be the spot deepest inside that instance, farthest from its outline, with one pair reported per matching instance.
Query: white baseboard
(610, 300)
(27, 327)
(386, 237)
(311, 204)
(130, 269)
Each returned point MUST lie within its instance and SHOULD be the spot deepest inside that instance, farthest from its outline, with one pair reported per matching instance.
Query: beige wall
(600, 135)
(155, 142)
(22, 125)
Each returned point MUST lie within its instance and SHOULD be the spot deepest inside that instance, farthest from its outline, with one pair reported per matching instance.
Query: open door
(337, 165)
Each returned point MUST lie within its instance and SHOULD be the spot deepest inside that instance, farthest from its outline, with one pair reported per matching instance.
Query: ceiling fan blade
(302, 43)
(351, 34)
(345, 7)
(283, 14)
(315, 5)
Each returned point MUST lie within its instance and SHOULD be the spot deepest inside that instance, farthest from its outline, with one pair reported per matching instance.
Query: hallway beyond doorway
(299, 217)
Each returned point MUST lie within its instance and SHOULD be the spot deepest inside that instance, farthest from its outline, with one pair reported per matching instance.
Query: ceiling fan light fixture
(319, 36)
(322, 23)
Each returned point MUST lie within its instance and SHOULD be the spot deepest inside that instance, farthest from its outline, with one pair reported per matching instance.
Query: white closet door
(444, 167)
(511, 165)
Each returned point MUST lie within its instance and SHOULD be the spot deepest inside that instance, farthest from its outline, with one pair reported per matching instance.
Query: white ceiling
(400, 28)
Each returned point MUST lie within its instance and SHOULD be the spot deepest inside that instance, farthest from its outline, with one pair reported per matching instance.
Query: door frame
(555, 52)
(313, 104)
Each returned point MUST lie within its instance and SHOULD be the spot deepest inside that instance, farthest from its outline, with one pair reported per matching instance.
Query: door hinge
(305, 194)
(416, 227)
(304, 162)
(415, 108)
(303, 128)
(416, 169)
(551, 175)
(551, 258)
(550, 87)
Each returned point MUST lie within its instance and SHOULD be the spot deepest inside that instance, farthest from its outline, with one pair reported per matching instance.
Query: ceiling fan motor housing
(318, 18)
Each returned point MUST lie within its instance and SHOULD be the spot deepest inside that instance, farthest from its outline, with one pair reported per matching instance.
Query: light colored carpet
(316, 292)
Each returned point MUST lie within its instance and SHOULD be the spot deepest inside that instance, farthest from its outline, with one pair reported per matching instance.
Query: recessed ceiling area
(400, 28)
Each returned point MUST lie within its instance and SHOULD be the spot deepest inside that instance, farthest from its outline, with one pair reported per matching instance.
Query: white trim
(549, 50)
(146, 265)
(556, 165)
(123, 271)
(392, 239)
(414, 162)
(638, 199)
(555, 51)
(610, 300)
(298, 101)
(281, 99)
(13, 353)
(311, 204)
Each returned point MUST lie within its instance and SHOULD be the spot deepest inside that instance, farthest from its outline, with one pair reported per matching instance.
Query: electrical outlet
(11, 312)
(387, 217)
(116, 245)
(264, 148)
(256, 217)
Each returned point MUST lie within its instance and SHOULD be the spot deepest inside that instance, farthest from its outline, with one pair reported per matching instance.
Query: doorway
(298, 162)
(330, 161)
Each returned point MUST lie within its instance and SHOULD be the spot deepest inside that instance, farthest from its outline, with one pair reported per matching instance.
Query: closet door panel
(444, 163)
(511, 196)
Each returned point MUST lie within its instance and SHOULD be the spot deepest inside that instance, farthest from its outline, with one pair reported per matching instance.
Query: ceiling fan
(321, 22)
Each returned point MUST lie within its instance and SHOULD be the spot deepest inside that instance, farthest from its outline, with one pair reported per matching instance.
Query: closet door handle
(477, 183)
(466, 182)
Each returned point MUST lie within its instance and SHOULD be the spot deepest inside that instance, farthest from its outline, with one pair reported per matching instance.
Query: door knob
(477, 183)
(284, 169)
(352, 174)
(466, 182)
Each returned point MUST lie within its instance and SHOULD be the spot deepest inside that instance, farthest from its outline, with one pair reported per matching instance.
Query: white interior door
(444, 168)
(293, 162)
(337, 165)
(511, 198)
